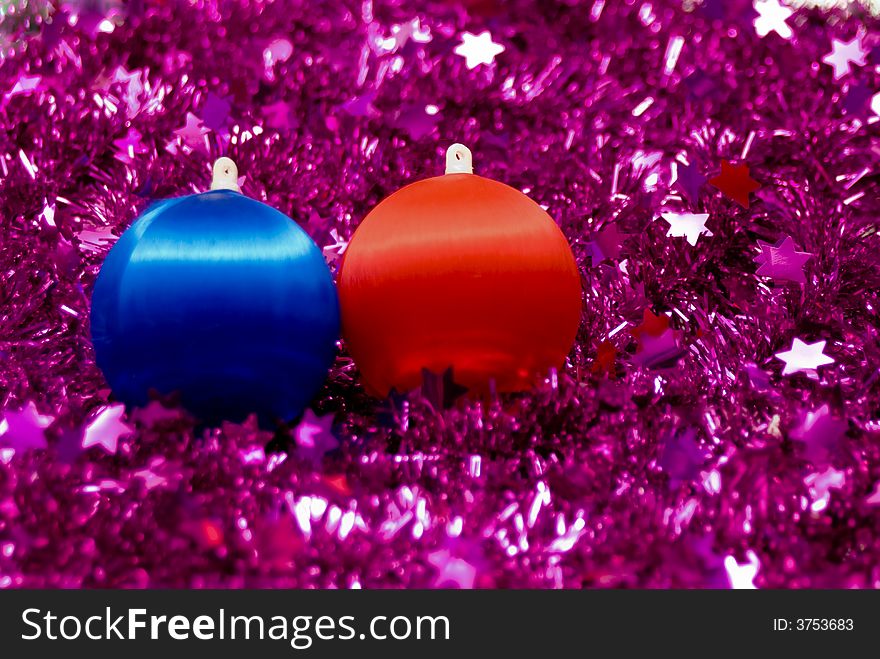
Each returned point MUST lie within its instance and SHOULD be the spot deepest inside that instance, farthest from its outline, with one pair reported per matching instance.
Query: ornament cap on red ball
(458, 271)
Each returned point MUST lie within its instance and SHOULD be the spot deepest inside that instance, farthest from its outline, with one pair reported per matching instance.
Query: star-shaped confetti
(821, 433)
(658, 352)
(106, 429)
(657, 342)
(132, 87)
(130, 145)
(334, 251)
(452, 572)
(709, 563)
(606, 243)
(689, 180)
(714, 9)
(277, 114)
(771, 18)
(155, 413)
(25, 428)
(759, 378)
(68, 447)
(24, 85)
(682, 457)
(843, 54)
(689, 225)
(782, 260)
(277, 539)
(317, 226)
(742, 576)
(606, 354)
(362, 106)
(409, 31)
(857, 101)
(193, 132)
(652, 325)
(96, 239)
(215, 112)
(702, 85)
(441, 390)
(821, 483)
(314, 436)
(149, 476)
(804, 357)
(279, 50)
(478, 49)
(418, 120)
(735, 182)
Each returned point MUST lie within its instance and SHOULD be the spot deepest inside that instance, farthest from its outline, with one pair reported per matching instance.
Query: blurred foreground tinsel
(674, 450)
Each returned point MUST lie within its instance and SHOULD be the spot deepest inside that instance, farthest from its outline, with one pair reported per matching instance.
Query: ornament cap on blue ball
(221, 299)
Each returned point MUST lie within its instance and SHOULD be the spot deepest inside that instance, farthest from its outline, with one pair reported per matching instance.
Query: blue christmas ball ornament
(221, 299)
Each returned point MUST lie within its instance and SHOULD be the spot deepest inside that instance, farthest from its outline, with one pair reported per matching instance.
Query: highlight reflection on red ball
(460, 271)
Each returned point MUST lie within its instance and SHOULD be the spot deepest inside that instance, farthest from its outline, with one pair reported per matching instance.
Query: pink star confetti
(150, 478)
(410, 31)
(844, 53)
(782, 261)
(279, 50)
(334, 251)
(605, 244)
(742, 576)
(132, 86)
(821, 483)
(362, 106)
(565, 485)
(682, 457)
(130, 145)
(314, 436)
(215, 112)
(771, 18)
(452, 572)
(155, 413)
(821, 434)
(106, 429)
(277, 115)
(478, 49)
(24, 85)
(24, 429)
(689, 180)
(804, 357)
(96, 239)
(688, 225)
(193, 132)
(658, 352)
(857, 100)
(277, 539)
(418, 120)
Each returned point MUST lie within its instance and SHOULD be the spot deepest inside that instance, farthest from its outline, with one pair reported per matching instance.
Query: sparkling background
(672, 450)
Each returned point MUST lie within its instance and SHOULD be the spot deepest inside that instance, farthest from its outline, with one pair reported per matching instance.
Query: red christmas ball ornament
(461, 271)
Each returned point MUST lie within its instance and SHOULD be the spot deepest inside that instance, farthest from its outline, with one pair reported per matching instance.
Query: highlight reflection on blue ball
(222, 299)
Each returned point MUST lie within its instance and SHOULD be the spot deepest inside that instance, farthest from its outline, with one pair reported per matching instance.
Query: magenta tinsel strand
(686, 459)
